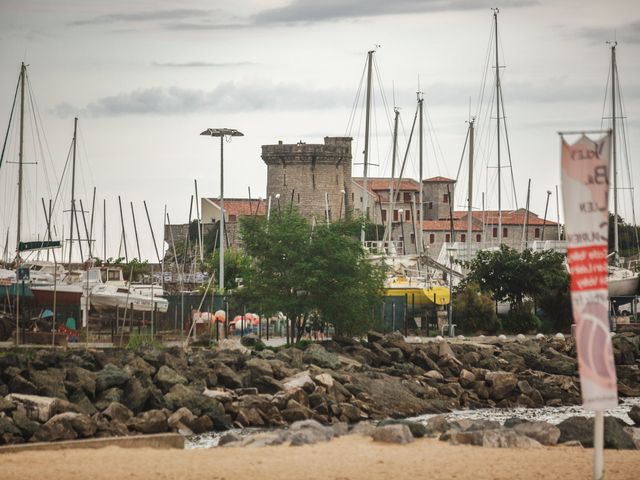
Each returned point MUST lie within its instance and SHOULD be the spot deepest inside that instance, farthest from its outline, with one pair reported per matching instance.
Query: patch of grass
(141, 341)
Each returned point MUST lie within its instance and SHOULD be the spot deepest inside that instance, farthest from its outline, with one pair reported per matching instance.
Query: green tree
(298, 269)
(512, 276)
(628, 237)
(474, 311)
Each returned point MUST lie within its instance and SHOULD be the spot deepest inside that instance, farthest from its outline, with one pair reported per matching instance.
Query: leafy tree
(512, 276)
(474, 311)
(235, 264)
(298, 269)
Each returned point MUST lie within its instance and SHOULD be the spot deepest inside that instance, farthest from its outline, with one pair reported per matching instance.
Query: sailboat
(39, 272)
(622, 281)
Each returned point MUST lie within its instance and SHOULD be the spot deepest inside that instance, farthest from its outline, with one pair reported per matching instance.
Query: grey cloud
(142, 16)
(202, 64)
(628, 33)
(311, 11)
(227, 97)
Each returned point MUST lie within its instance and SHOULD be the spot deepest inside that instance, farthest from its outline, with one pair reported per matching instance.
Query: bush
(473, 311)
(521, 319)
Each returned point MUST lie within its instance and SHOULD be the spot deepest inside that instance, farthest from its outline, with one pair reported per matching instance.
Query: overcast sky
(146, 77)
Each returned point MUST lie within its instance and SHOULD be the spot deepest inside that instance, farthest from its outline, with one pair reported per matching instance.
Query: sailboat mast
(616, 243)
(495, 18)
(73, 188)
(393, 175)
(23, 70)
(421, 199)
(470, 194)
(367, 121)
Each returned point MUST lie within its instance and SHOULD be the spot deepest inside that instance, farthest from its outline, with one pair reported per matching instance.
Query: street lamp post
(222, 133)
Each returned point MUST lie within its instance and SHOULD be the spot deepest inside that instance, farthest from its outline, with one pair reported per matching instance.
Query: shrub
(521, 319)
(473, 311)
(141, 341)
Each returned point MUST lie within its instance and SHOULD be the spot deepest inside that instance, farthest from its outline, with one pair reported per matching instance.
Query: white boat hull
(106, 299)
(623, 287)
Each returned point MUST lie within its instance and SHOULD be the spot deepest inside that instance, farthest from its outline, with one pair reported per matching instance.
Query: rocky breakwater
(49, 395)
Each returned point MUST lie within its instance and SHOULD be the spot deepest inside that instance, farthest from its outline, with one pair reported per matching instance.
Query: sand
(345, 458)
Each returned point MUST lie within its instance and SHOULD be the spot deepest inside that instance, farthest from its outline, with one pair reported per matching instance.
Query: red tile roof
(445, 225)
(509, 217)
(438, 180)
(377, 184)
(242, 206)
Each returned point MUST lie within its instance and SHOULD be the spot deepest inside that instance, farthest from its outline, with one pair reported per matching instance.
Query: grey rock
(199, 404)
(227, 377)
(19, 384)
(502, 384)
(263, 439)
(507, 439)
(317, 355)
(634, 414)
(168, 377)
(581, 429)
(82, 379)
(313, 430)
(111, 376)
(8, 427)
(400, 434)
(6, 406)
(108, 396)
(229, 438)
(117, 412)
(151, 421)
(50, 383)
(436, 425)
(26, 426)
(418, 430)
(543, 432)
(65, 426)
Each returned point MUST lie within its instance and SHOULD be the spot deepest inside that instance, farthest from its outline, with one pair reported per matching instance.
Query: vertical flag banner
(585, 187)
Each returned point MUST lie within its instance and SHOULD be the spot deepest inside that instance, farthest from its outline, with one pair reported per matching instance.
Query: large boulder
(317, 355)
(79, 378)
(105, 398)
(167, 377)
(50, 383)
(418, 430)
(151, 421)
(34, 407)
(227, 377)
(65, 426)
(581, 429)
(634, 414)
(259, 368)
(9, 432)
(543, 432)
(199, 404)
(26, 426)
(507, 439)
(117, 412)
(397, 433)
(502, 384)
(184, 420)
(111, 376)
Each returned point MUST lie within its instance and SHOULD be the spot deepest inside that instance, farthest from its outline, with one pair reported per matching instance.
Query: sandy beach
(345, 458)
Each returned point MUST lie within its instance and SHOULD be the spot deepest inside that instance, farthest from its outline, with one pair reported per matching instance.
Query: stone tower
(309, 176)
(437, 193)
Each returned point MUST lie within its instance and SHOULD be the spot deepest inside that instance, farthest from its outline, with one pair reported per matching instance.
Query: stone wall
(309, 176)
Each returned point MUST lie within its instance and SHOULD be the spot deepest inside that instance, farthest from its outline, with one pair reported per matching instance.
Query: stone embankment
(50, 395)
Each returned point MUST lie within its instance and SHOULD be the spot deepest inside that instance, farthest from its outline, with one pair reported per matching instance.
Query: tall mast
(495, 18)
(73, 189)
(393, 174)
(367, 121)
(23, 70)
(616, 244)
(470, 194)
(421, 199)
